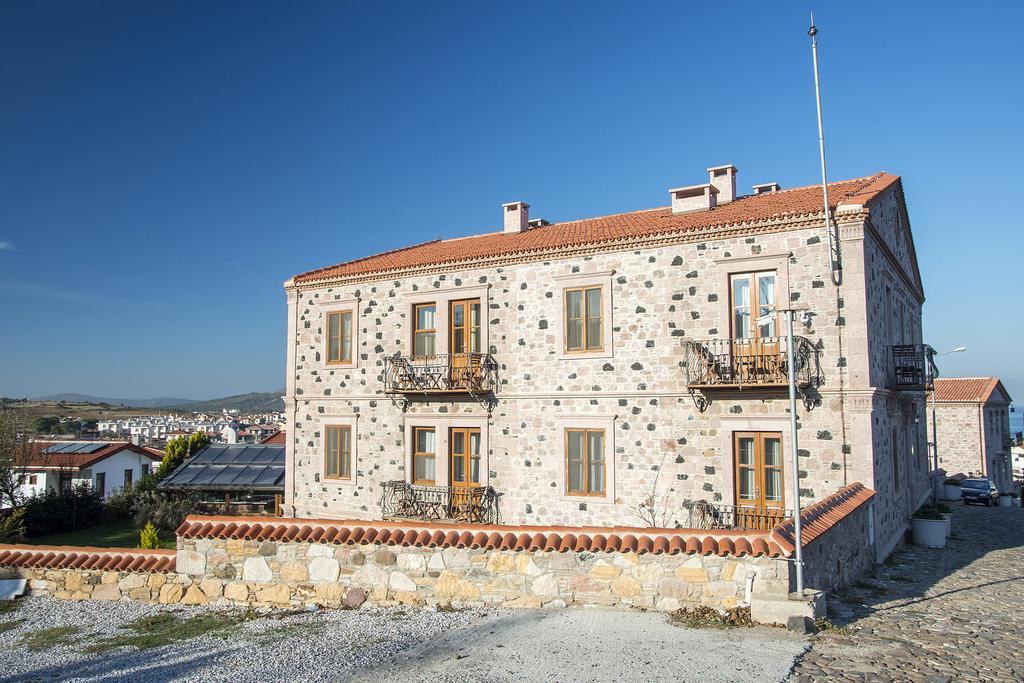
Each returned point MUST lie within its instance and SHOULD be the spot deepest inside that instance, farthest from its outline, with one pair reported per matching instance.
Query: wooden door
(760, 488)
(463, 342)
(755, 348)
(464, 471)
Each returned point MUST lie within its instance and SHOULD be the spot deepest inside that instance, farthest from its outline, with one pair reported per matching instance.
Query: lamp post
(935, 433)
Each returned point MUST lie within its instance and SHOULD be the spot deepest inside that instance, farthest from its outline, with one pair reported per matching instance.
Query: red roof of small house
(276, 439)
(37, 458)
(966, 389)
(768, 207)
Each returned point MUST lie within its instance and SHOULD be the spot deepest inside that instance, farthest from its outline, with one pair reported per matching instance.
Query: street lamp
(935, 434)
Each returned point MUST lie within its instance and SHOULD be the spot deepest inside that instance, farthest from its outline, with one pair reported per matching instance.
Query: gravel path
(400, 644)
(934, 615)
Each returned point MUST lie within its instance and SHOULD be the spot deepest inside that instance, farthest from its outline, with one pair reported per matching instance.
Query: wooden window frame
(128, 477)
(586, 348)
(759, 437)
(753, 276)
(352, 336)
(467, 433)
(416, 328)
(101, 489)
(415, 442)
(586, 431)
(467, 326)
(347, 429)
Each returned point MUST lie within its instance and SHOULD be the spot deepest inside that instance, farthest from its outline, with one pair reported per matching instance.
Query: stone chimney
(724, 179)
(694, 198)
(517, 216)
(765, 188)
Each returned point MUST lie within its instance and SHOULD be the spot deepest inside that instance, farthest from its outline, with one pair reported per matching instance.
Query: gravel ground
(400, 644)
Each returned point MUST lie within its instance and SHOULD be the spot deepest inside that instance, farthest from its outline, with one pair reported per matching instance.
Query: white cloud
(6, 246)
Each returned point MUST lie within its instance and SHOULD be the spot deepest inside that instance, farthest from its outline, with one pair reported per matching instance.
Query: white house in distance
(108, 466)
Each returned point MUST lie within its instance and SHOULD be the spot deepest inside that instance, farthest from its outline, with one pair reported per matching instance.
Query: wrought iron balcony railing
(913, 367)
(762, 362)
(468, 373)
(700, 514)
(470, 504)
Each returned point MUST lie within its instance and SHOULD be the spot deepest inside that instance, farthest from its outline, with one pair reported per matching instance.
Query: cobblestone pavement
(933, 615)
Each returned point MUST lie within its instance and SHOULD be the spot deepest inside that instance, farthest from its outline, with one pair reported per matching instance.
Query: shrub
(122, 503)
(53, 511)
(943, 508)
(927, 512)
(12, 526)
(164, 511)
(953, 482)
(148, 537)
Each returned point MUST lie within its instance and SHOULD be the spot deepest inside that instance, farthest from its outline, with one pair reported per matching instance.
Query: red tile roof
(821, 516)
(769, 207)
(439, 535)
(36, 457)
(276, 439)
(70, 557)
(965, 389)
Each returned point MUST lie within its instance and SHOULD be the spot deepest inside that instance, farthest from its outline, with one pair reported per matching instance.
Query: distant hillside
(133, 402)
(256, 402)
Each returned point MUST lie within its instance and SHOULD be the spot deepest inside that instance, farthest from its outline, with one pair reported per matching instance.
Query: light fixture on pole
(793, 439)
(935, 433)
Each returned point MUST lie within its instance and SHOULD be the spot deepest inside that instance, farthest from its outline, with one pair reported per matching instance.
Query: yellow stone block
(501, 563)
(604, 571)
(692, 574)
(237, 591)
(170, 593)
(194, 596)
(626, 587)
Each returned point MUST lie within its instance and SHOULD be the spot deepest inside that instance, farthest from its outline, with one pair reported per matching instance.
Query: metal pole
(833, 262)
(797, 524)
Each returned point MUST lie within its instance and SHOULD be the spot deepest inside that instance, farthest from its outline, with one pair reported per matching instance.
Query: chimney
(764, 188)
(694, 198)
(724, 178)
(539, 222)
(517, 216)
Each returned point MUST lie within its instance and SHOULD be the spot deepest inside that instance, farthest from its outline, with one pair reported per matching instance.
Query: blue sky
(166, 166)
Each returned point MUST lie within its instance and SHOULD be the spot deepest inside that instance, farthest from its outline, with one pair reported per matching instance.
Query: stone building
(610, 371)
(972, 422)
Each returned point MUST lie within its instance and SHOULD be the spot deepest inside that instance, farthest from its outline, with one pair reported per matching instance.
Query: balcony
(913, 367)
(467, 504)
(700, 514)
(742, 363)
(470, 374)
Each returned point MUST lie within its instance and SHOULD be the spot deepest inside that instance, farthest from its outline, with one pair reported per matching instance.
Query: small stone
(354, 597)
(257, 569)
(384, 557)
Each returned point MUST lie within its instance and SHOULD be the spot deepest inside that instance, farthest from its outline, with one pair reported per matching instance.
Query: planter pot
(931, 533)
(1005, 501)
(1015, 502)
(948, 517)
(951, 491)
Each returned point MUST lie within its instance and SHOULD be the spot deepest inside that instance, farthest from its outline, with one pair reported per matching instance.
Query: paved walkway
(933, 615)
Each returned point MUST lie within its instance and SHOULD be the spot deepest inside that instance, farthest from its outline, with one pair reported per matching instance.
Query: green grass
(6, 626)
(166, 629)
(46, 638)
(118, 533)
(9, 606)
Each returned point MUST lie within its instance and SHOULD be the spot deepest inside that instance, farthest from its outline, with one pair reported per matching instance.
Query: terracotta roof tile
(783, 205)
(70, 557)
(965, 389)
(436, 535)
(821, 516)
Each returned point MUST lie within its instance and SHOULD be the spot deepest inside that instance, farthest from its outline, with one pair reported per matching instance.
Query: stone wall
(844, 554)
(256, 573)
(90, 584)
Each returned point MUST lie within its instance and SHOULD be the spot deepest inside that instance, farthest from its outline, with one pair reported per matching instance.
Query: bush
(953, 482)
(927, 512)
(121, 503)
(164, 511)
(148, 537)
(943, 508)
(53, 511)
(12, 525)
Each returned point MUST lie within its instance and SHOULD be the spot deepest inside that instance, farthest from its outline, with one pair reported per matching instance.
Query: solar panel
(78, 447)
(95, 446)
(61, 448)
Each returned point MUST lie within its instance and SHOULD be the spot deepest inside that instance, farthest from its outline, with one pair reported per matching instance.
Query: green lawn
(116, 534)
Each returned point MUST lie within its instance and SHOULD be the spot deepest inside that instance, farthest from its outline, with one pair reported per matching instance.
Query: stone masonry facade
(660, 446)
(974, 439)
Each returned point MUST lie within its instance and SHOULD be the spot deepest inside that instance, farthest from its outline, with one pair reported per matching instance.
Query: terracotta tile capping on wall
(526, 538)
(70, 557)
(819, 517)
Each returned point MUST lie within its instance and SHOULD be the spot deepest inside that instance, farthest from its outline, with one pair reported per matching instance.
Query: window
(338, 452)
(424, 330)
(423, 455)
(584, 322)
(895, 461)
(128, 476)
(753, 297)
(584, 462)
(339, 337)
(101, 483)
(464, 318)
(759, 476)
(464, 456)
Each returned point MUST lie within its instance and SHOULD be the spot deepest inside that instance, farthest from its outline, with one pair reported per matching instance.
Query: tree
(14, 455)
(178, 449)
